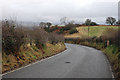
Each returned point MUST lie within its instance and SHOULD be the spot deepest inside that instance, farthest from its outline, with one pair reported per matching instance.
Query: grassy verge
(112, 54)
(104, 38)
(28, 55)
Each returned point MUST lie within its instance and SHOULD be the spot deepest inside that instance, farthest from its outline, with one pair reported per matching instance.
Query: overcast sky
(53, 10)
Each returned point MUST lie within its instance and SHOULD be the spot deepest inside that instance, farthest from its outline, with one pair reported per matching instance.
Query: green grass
(98, 30)
(35, 48)
(31, 54)
(93, 31)
(111, 51)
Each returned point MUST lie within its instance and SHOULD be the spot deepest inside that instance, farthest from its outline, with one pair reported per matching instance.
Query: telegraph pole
(119, 25)
(119, 10)
(88, 30)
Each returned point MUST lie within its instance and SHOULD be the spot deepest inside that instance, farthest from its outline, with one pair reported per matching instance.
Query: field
(93, 31)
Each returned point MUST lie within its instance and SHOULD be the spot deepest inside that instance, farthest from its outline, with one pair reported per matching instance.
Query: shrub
(12, 38)
(51, 29)
(72, 31)
(119, 56)
(39, 35)
(69, 26)
(63, 29)
(55, 38)
(93, 24)
(60, 32)
(111, 35)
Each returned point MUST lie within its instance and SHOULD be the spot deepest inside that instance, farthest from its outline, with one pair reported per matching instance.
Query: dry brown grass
(93, 31)
(28, 55)
(81, 32)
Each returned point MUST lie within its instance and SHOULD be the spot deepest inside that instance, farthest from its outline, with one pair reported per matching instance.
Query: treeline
(70, 27)
(88, 22)
(14, 36)
(109, 21)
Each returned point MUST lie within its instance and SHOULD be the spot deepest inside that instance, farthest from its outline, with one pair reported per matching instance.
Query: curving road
(75, 62)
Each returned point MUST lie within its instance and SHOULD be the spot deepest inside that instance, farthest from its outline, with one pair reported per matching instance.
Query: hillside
(93, 31)
(29, 55)
(23, 45)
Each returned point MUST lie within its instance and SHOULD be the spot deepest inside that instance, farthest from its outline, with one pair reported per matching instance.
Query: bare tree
(63, 20)
(42, 24)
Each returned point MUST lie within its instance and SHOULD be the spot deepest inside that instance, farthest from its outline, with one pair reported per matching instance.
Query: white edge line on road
(50, 58)
(110, 67)
(33, 63)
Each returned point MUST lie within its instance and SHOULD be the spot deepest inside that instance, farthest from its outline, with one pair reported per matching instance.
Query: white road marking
(32, 64)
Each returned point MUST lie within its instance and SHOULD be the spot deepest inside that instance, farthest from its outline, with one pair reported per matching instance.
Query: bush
(112, 35)
(60, 32)
(55, 38)
(72, 31)
(39, 35)
(12, 37)
(51, 29)
(69, 26)
(63, 29)
(119, 56)
(93, 24)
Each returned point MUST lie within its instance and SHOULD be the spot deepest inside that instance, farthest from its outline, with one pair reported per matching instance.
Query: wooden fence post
(108, 42)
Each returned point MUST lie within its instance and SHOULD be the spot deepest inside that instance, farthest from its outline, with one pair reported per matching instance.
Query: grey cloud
(41, 10)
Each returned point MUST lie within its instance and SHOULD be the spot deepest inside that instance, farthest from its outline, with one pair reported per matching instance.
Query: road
(75, 62)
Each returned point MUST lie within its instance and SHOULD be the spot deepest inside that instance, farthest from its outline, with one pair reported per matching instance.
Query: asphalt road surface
(75, 62)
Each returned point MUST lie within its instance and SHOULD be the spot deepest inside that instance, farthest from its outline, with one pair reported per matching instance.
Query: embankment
(29, 55)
